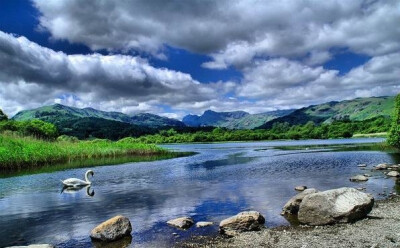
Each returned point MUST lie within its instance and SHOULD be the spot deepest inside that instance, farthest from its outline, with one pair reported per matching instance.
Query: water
(221, 180)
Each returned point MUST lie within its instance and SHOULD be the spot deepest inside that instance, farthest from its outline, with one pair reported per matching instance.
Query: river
(221, 180)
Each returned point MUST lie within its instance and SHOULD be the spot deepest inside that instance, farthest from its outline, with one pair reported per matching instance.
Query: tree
(3, 117)
(394, 133)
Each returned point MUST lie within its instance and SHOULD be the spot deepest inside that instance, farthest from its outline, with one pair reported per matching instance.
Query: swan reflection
(74, 190)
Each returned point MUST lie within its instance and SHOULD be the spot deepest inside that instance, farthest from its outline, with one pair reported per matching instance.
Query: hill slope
(58, 114)
(355, 110)
(232, 120)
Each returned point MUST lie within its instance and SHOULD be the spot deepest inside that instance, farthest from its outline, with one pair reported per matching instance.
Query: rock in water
(393, 174)
(362, 165)
(112, 229)
(381, 167)
(292, 206)
(242, 222)
(204, 224)
(359, 178)
(182, 223)
(335, 206)
(300, 188)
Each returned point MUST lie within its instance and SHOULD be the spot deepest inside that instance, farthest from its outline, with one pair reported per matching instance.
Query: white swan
(75, 182)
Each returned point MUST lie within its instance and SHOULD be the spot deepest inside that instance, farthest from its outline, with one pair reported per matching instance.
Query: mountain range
(233, 120)
(89, 122)
(59, 113)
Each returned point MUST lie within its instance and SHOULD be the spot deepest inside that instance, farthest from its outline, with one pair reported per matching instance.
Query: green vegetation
(394, 133)
(36, 128)
(20, 152)
(353, 110)
(337, 129)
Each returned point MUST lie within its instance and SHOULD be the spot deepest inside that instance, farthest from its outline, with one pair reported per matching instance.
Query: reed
(18, 152)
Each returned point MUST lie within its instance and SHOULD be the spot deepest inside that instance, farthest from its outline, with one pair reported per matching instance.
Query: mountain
(3, 116)
(58, 114)
(354, 110)
(151, 120)
(232, 120)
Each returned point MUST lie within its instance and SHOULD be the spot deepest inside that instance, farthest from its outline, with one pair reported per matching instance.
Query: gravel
(379, 229)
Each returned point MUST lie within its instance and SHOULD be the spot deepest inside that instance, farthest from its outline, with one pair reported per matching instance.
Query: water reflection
(220, 181)
(75, 189)
(121, 243)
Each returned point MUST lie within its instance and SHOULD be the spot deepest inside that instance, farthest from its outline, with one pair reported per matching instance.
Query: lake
(221, 180)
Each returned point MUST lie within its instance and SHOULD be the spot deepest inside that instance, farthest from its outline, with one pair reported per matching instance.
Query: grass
(18, 152)
(370, 135)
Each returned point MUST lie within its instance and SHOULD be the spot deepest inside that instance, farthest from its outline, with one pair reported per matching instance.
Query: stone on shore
(204, 224)
(242, 222)
(359, 178)
(300, 188)
(112, 229)
(292, 206)
(394, 167)
(393, 174)
(381, 167)
(335, 206)
(182, 222)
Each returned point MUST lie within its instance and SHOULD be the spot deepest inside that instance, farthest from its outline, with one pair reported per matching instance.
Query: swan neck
(87, 177)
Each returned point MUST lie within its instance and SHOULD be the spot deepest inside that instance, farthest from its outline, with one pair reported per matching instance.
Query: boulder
(394, 167)
(112, 229)
(242, 222)
(292, 206)
(393, 174)
(381, 167)
(182, 222)
(335, 206)
(204, 224)
(359, 178)
(300, 188)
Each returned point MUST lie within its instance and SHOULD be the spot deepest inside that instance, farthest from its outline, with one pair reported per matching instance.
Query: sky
(175, 58)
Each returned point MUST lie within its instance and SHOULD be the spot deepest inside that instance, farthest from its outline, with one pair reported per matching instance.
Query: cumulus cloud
(32, 75)
(232, 32)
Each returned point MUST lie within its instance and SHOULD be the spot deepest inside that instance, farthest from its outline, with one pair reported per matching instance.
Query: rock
(394, 167)
(361, 189)
(204, 224)
(300, 188)
(359, 178)
(334, 206)
(34, 246)
(292, 206)
(381, 167)
(367, 175)
(112, 229)
(182, 222)
(124, 242)
(393, 174)
(362, 165)
(242, 222)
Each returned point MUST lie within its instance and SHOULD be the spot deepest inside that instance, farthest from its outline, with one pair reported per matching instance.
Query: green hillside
(354, 110)
(59, 114)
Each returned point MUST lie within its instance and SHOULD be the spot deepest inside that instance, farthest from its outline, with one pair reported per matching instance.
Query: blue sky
(175, 58)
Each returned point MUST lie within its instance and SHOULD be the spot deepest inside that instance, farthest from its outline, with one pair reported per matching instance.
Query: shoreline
(378, 229)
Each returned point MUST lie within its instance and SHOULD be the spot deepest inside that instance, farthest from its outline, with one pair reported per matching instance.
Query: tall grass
(18, 152)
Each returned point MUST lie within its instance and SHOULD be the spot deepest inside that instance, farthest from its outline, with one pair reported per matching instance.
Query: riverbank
(17, 152)
(379, 229)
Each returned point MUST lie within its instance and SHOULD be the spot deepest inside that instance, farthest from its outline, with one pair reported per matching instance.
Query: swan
(75, 182)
